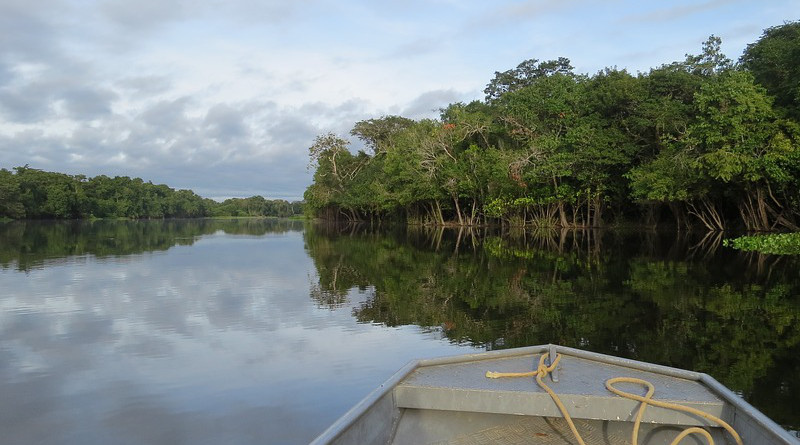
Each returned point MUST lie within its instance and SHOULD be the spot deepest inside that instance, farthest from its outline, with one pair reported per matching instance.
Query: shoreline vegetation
(771, 244)
(28, 193)
(702, 143)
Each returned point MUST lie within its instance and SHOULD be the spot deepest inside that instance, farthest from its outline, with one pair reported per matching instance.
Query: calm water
(260, 331)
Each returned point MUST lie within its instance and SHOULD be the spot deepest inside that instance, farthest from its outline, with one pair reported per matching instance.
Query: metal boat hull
(450, 401)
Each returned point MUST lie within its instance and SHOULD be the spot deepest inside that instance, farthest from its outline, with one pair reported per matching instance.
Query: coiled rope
(543, 369)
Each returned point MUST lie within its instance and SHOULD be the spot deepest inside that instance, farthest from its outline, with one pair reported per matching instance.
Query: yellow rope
(542, 371)
(648, 400)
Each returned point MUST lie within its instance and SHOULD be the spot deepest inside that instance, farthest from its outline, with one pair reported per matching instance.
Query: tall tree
(739, 141)
(523, 75)
(336, 169)
(774, 61)
(377, 133)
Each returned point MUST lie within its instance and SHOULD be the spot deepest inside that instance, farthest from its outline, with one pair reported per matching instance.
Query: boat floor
(450, 428)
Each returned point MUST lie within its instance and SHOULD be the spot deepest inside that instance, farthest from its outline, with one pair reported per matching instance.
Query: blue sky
(224, 97)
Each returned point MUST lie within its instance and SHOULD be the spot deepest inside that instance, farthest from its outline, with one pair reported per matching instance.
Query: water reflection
(31, 244)
(682, 300)
(210, 340)
(265, 331)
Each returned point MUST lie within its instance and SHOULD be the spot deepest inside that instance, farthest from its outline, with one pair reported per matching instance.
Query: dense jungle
(704, 142)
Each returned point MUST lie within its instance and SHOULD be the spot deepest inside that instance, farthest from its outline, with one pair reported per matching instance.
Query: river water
(266, 331)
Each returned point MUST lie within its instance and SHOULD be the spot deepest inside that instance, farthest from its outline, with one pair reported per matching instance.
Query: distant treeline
(702, 142)
(28, 193)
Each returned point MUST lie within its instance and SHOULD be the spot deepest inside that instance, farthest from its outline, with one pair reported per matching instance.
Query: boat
(551, 394)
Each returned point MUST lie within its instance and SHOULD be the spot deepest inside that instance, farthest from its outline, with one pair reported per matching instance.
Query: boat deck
(449, 400)
(581, 387)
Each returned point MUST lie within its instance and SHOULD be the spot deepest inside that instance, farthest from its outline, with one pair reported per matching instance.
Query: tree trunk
(473, 217)
(458, 211)
(439, 215)
(562, 215)
(708, 214)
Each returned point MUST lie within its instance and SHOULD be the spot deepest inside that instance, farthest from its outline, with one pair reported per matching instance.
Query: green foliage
(774, 244)
(699, 138)
(774, 61)
(666, 178)
(256, 206)
(523, 75)
(10, 196)
(29, 193)
(711, 61)
(735, 123)
(377, 133)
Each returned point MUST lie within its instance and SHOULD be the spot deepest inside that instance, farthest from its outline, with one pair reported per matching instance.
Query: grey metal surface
(552, 356)
(430, 427)
(752, 425)
(377, 412)
(581, 387)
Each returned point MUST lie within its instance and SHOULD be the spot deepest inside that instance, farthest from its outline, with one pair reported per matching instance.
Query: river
(266, 331)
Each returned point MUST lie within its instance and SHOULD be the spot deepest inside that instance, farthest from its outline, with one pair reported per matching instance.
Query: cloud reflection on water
(217, 342)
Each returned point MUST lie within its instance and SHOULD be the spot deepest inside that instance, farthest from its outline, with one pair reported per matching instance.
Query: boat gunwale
(347, 420)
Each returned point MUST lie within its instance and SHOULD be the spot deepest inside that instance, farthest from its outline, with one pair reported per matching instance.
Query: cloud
(428, 104)
(153, 15)
(28, 103)
(35, 92)
(85, 103)
(145, 14)
(506, 13)
(287, 130)
(268, 11)
(166, 114)
(142, 87)
(30, 31)
(415, 48)
(225, 124)
(253, 148)
(676, 12)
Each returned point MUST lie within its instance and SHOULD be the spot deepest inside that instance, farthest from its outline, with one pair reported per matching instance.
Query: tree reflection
(25, 245)
(680, 301)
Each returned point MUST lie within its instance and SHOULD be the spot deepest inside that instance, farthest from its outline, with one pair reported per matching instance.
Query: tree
(670, 180)
(774, 61)
(10, 202)
(539, 118)
(661, 173)
(739, 140)
(411, 171)
(377, 133)
(523, 75)
(336, 169)
(712, 60)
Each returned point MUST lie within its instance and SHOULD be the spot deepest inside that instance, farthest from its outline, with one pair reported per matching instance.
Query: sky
(224, 97)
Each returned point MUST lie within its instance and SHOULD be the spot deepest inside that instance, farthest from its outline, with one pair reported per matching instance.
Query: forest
(28, 193)
(704, 142)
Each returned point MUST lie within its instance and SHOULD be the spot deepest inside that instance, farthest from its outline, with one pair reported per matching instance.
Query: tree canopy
(29, 193)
